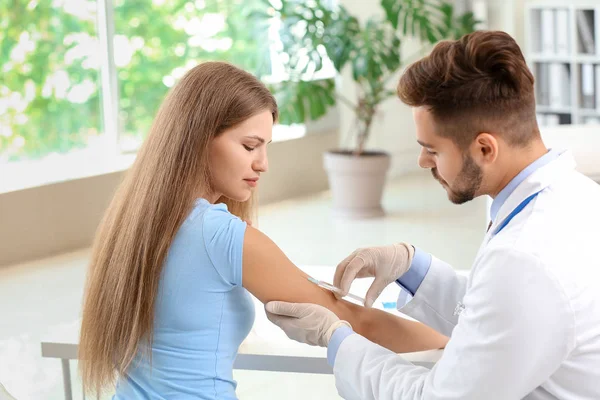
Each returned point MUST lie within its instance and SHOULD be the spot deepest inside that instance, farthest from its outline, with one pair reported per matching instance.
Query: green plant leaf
(317, 106)
(392, 10)
(372, 49)
(300, 111)
(297, 98)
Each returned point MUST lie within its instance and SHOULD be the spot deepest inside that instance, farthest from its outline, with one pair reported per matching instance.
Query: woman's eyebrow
(257, 138)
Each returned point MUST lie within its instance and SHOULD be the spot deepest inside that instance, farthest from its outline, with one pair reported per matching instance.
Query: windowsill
(60, 168)
(90, 162)
(101, 159)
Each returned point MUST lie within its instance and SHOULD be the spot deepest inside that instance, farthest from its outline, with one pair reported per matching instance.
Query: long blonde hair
(132, 241)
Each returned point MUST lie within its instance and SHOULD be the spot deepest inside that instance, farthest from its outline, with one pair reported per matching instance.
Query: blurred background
(81, 80)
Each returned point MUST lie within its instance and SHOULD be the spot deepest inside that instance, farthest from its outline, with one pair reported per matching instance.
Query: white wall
(393, 130)
(60, 217)
(582, 140)
(504, 15)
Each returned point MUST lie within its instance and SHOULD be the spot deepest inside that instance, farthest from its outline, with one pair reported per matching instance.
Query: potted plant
(313, 35)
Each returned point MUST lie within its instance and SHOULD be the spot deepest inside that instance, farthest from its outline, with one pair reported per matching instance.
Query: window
(82, 80)
(157, 41)
(49, 78)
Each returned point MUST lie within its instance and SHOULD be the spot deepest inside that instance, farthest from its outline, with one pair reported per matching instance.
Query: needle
(334, 289)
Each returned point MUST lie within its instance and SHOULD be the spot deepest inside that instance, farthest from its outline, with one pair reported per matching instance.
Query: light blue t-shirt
(202, 313)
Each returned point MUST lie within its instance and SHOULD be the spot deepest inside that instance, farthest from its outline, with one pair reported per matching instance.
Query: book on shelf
(585, 28)
(547, 22)
(597, 68)
(562, 32)
(542, 82)
(587, 86)
(597, 28)
(560, 85)
(552, 119)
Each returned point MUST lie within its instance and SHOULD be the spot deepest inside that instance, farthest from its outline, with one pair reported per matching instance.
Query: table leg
(66, 369)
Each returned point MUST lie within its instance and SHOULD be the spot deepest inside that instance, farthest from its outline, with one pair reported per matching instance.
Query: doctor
(526, 322)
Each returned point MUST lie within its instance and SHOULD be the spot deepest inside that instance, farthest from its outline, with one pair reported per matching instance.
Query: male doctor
(526, 322)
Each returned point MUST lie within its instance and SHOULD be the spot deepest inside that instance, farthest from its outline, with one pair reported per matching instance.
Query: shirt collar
(551, 155)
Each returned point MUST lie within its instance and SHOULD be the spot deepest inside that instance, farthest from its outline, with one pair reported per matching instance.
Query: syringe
(334, 289)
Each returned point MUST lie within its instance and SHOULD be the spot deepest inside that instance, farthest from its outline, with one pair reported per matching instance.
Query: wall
(394, 130)
(60, 217)
(582, 141)
(506, 15)
(50, 219)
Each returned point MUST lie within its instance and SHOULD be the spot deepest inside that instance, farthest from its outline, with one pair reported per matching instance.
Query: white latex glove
(305, 323)
(385, 263)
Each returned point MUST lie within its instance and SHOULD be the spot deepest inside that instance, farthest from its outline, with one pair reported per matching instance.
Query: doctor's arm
(501, 349)
(269, 275)
(435, 299)
(431, 288)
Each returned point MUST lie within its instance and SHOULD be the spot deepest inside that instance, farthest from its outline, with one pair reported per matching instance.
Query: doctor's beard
(466, 184)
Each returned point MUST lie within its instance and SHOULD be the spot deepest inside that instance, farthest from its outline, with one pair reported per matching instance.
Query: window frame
(110, 157)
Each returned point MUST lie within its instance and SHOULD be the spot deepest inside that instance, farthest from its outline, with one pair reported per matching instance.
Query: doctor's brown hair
(479, 83)
(170, 172)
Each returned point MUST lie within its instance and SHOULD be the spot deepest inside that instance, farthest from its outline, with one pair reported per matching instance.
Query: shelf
(563, 52)
(587, 59)
(588, 112)
(553, 110)
(578, 5)
(579, 58)
(541, 57)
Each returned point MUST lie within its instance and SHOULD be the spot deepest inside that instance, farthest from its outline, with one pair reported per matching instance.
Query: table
(266, 348)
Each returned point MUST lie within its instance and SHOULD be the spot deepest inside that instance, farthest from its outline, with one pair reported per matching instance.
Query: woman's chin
(245, 199)
(241, 197)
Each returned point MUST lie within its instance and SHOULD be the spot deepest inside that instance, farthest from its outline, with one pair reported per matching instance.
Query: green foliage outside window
(50, 87)
(48, 98)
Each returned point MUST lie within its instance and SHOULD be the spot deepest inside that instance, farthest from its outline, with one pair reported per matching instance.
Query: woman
(168, 301)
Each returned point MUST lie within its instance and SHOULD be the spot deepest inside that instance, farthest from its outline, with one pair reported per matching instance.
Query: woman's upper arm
(269, 275)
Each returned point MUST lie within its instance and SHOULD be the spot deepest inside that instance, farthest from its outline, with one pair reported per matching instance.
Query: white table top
(266, 347)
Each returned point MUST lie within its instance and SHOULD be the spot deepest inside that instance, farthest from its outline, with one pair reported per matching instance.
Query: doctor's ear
(485, 148)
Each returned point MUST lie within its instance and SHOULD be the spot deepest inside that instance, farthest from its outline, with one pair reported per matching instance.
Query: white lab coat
(530, 324)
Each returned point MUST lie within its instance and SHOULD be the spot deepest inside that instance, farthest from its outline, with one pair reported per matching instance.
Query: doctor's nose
(425, 160)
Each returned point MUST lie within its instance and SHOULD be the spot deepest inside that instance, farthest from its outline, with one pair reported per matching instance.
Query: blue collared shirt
(335, 342)
(550, 156)
(411, 280)
(419, 267)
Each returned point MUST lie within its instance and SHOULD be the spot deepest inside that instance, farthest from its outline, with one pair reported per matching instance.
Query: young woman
(167, 301)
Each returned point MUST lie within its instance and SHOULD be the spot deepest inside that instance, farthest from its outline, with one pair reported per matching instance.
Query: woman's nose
(261, 164)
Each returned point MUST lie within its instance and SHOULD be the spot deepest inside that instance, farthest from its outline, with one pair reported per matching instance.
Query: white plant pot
(357, 182)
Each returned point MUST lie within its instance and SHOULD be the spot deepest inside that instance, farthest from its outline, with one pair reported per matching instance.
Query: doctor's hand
(305, 323)
(385, 263)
